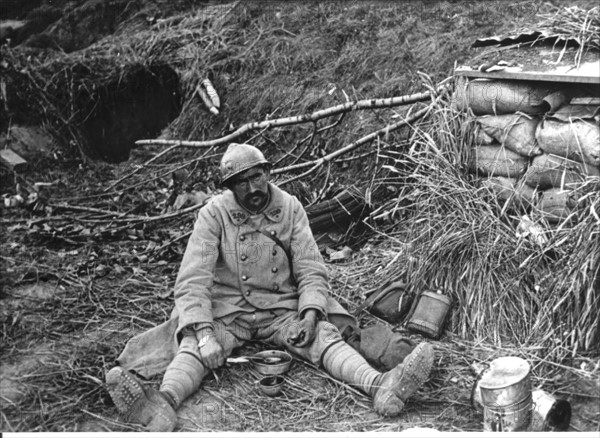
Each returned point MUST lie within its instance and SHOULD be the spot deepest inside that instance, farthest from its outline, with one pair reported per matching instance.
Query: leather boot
(389, 390)
(139, 403)
(398, 384)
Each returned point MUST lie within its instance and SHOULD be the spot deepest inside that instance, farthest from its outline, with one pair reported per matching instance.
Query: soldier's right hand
(211, 352)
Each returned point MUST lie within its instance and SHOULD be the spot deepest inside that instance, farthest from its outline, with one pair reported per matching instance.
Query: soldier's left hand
(307, 329)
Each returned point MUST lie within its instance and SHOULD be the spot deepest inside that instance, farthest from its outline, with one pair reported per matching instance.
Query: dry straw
(568, 23)
(456, 236)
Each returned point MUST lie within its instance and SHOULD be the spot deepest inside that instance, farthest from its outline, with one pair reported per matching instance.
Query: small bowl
(271, 385)
(272, 369)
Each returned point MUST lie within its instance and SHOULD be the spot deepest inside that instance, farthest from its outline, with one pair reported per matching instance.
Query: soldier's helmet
(238, 158)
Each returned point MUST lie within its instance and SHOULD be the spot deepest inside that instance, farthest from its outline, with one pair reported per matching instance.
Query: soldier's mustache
(249, 196)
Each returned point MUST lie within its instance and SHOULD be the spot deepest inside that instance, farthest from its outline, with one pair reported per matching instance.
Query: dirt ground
(79, 280)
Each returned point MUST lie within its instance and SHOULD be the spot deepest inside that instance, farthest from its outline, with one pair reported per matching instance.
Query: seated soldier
(237, 283)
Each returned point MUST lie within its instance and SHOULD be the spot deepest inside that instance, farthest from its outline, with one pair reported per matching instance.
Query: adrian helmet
(238, 158)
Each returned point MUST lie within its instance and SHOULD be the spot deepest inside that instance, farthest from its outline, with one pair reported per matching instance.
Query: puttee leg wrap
(344, 363)
(185, 373)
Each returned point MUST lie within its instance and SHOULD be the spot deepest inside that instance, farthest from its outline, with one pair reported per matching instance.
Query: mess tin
(271, 385)
(271, 362)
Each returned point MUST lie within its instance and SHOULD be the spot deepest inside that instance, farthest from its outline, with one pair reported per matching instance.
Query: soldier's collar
(239, 215)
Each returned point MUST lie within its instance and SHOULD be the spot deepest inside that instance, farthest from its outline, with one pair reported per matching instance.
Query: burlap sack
(556, 204)
(482, 138)
(578, 140)
(548, 171)
(520, 196)
(514, 131)
(486, 96)
(495, 160)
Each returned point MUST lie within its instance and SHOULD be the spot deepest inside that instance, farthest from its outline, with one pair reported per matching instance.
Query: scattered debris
(342, 255)
(12, 160)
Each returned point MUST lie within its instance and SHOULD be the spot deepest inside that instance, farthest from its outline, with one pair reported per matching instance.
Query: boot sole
(138, 405)
(416, 369)
(124, 390)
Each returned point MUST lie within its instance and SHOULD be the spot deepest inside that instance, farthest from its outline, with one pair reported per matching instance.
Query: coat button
(273, 233)
(244, 277)
(242, 238)
(274, 269)
(248, 292)
(244, 257)
(275, 287)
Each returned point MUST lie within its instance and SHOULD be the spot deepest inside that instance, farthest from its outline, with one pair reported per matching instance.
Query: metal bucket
(430, 314)
(505, 390)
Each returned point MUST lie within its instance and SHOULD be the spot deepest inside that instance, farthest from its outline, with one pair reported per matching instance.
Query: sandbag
(483, 138)
(566, 113)
(520, 195)
(484, 96)
(514, 131)
(556, 204)
(578, 140)
(495, 160)
(548, 171)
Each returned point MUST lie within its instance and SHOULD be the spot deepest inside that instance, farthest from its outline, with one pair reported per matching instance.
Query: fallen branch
(143, 166)
(87, 210)
(367, 138)
(304, 118)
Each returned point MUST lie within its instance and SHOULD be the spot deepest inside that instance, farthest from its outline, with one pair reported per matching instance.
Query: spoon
(264, 359)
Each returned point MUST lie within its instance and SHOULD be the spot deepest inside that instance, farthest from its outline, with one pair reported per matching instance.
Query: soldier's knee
(327, 332)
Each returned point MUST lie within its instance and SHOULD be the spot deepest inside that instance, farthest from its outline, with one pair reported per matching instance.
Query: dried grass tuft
(573, 22)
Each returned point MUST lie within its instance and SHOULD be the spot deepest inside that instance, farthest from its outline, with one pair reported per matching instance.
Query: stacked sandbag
(507, 115)
(572, 132)
(485, 96)
(531, 146)
(552, 171)
(507, 190)
(570, 141)
(497, 160)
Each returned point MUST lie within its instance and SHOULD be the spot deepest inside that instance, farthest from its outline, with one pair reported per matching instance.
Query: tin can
(430, 313)
(549, 413)
(513, 418)
(505, 390)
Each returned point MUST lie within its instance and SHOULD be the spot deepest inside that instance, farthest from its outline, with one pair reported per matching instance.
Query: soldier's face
(250, 188)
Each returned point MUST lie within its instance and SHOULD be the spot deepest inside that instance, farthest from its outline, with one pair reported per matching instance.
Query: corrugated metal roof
(586, 73)
(532, 37)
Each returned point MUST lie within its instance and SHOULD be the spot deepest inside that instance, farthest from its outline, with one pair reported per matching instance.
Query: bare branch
(367, 138)
(304, 118)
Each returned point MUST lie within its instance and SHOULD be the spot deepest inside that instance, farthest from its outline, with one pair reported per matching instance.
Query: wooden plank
(12, 160)
(589, 75)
